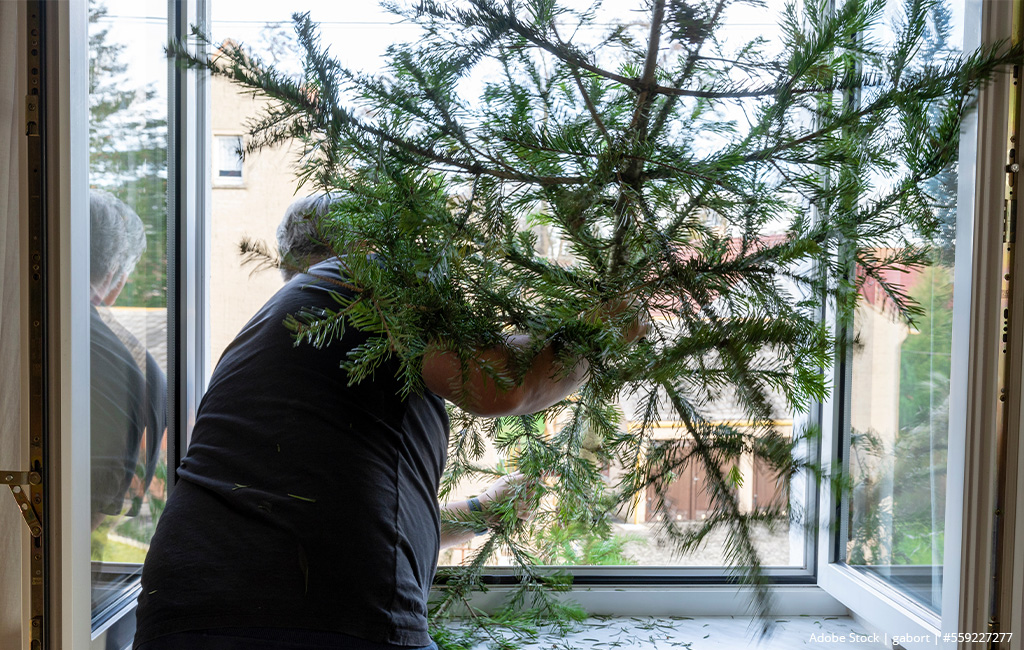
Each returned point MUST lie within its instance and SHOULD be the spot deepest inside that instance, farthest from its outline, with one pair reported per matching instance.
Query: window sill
(675, 601)
(710, 633)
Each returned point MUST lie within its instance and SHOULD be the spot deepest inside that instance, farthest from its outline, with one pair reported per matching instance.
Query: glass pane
(637, 536)
(128, 287)
(228, 158)
(899, 397)
(250, 196)
(250, 201)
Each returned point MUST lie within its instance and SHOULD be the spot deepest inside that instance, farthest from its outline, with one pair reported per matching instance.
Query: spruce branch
(727, 507)
(723, 192)
(647, 86)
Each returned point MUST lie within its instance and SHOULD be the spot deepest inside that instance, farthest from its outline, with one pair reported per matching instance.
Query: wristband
(474, 506)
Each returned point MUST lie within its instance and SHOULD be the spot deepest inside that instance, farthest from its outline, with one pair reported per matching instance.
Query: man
(300, 240)
(306, 514)
(128, 399)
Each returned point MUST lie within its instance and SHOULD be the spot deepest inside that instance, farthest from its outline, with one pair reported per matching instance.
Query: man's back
(303, 502)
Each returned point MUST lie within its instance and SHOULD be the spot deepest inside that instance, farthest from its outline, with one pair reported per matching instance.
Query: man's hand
(455, 534)
(637, 328)
(505, 487)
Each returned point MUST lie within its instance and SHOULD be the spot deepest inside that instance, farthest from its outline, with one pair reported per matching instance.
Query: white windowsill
(725, 600)
(709, 633)
(228, 185)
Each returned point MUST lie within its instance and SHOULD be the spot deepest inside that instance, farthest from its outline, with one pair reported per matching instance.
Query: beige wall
(875, 399)
(875, 389)
(252, 210)
(875, 410)
(12, 413)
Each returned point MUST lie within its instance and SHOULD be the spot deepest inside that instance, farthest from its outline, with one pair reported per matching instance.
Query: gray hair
(117, 238)
(299, 238)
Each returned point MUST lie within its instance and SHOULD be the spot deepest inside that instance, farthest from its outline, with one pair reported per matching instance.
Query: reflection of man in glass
(128, 407)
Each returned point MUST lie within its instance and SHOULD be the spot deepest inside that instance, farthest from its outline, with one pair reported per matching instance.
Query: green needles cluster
(729, 190)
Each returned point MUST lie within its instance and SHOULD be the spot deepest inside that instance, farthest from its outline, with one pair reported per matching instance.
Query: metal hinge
(19, 481)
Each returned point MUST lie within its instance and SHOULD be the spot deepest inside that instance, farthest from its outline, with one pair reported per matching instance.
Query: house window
(228, 160)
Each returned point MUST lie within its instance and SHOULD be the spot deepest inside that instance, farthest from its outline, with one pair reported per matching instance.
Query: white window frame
(68, 92)
(838, 587)
(974, 356)
(70, 625)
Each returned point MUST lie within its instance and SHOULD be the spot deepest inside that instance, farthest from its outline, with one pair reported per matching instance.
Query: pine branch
(648, 87)
(590, 107)
(670, 104)
(727, 506)
(657, 195)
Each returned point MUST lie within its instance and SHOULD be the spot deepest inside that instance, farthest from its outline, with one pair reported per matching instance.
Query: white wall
(12, 413)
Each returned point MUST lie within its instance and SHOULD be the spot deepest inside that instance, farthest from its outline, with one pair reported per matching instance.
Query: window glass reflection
(127, 284)
(900, 391)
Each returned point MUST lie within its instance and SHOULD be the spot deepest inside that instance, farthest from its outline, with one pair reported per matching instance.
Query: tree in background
(915, 475)
(128, 154)
(943, 186)
(919, 473)
(718, 187)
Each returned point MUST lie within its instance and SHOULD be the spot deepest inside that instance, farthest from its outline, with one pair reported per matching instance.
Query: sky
(358, 32)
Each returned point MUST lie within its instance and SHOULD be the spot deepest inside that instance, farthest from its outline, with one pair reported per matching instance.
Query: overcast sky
(357, 32)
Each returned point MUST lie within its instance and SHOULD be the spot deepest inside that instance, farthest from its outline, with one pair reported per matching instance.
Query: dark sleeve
(155, 416)
(117, 389)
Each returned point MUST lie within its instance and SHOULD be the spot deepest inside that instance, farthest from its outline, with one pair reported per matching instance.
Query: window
(898, 438)
(896, 421)
(238, 290)
(228, 161)
(898, 402)
(128, 299)
(893, 550)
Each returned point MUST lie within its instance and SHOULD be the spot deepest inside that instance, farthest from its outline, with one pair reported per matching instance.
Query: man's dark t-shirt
(303, 502)
(128, 398)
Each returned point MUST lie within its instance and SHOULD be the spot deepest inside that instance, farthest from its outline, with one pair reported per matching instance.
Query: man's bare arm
(545, 382)
(453, 532)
